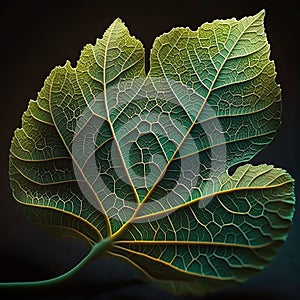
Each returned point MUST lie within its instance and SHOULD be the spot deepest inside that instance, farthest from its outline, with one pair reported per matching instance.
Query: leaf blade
(143, 159)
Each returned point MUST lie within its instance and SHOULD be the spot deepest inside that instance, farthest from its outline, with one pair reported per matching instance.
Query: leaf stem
(97, 249)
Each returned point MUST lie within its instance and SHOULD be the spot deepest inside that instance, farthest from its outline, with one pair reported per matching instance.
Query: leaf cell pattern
(108, 151)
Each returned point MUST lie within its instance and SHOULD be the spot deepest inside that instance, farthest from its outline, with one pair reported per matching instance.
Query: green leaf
(108, 152)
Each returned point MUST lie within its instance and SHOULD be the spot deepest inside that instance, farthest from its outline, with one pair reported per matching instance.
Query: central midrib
(200, 111)
(107, 113)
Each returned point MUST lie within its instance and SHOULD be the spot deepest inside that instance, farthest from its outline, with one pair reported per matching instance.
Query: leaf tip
(117, 22)
(261, 14)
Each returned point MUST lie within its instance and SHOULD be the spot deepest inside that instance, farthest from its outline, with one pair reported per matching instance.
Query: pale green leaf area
(137, 164)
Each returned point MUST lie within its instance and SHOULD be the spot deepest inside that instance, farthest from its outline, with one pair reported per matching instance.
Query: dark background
(38, 35)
